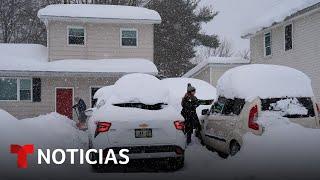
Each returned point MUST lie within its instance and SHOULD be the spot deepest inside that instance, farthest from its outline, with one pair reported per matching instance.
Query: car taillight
(253, 117)
(102, 127)
(179, 125)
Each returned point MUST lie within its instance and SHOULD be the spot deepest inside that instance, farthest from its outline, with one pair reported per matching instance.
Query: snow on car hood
(139, 88)
(264, 81)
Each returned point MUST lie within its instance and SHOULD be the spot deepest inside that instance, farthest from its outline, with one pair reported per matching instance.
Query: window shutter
(36, 89)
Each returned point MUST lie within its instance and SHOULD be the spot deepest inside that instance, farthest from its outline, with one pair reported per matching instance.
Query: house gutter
(45, 19)
(8, 73)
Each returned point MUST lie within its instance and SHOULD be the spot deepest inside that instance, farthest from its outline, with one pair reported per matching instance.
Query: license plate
(143, 133)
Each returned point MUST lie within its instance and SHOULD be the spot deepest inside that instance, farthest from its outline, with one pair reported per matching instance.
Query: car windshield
(228, 106)
(158, 106)
(301, 107)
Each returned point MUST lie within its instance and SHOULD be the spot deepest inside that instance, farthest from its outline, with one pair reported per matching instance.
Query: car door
(218, 126)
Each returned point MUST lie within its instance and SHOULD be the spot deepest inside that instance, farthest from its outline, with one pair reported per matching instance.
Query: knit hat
(190, 88)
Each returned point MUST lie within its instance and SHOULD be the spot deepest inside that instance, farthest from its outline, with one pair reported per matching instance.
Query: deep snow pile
(49, 131)
(34, 57)
(285, 148)
(139, 88)
(264, 81)
(282, 10)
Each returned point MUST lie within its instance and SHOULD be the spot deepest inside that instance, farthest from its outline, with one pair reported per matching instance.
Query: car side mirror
(205, 112)
(88, 112)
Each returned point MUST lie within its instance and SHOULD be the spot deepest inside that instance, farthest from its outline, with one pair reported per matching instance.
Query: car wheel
(223, 155)
(176, 163)
(234, 148)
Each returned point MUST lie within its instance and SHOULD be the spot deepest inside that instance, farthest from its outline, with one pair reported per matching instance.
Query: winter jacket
(189, 105)
(81, 107)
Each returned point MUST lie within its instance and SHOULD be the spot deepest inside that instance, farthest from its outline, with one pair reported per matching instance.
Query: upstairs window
(267, 44)
(129, 38)
(76, 36)
(288, 37)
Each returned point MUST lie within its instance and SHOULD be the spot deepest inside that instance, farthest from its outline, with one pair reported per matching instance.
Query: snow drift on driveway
(285, 149)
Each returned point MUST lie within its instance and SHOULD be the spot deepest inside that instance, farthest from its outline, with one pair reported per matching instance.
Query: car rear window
(158, 106)
(303, 102)
(228, 106)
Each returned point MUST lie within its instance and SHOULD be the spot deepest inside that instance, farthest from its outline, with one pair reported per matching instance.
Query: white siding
(102, 42)
(304, 56)
(81, 86)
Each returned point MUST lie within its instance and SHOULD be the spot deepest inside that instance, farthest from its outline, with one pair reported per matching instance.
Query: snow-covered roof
(284, 10)
(264, 81)
(103, 12)
(216, 61)
(34, 58)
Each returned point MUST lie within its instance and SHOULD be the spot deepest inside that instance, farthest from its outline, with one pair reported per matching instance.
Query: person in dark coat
(189, 105)
(81, 107)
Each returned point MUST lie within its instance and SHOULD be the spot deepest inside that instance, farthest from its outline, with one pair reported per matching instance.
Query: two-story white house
(290, 39)
(88, 46)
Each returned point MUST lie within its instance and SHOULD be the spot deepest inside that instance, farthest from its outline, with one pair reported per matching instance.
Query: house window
(25, 89)
(8, 89)
(76, 36)
(288, 37)
(129, 37)
(14, 89)
(267, 44)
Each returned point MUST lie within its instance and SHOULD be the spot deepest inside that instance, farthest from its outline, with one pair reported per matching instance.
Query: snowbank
(49, 131)
(285, 149)
(33, 57)
(264, 81)
(139, 88)
(279, 13)
(99, 12)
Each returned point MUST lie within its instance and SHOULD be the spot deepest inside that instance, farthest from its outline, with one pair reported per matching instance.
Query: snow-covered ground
(49, 131)
(285, 151)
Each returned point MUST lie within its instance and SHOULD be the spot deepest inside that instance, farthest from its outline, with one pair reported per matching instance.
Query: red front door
(64, 99)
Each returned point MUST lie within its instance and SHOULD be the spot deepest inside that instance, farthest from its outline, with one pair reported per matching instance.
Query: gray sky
(236, 16)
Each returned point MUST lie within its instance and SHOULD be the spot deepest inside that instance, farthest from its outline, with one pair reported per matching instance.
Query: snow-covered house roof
(285, 10)
(264, 81)
(99, 13)
(34, 58)
(216, 61)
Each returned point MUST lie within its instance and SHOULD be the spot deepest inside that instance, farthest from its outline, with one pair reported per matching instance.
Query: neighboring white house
(211, 69)
(88, 47)
(290, 38)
